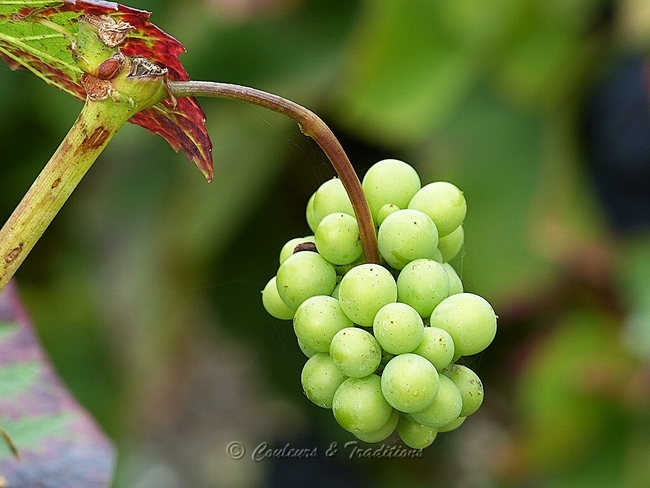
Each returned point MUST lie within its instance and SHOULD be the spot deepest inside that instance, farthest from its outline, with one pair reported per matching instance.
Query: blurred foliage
(146, 288)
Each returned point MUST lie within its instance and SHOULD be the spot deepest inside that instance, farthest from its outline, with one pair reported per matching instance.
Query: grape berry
(383, 340)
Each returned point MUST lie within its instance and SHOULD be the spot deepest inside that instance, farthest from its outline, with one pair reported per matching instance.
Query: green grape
(290, 246)
(452, 425)
(320, 379)
(470, 321)
(335, 292)
(446, 407)
(307, 351)
(337, 238)
(383, 433)
(317, 320)
(331, 197)
(385, 357)
(437, 255)
(303, 275)
(455, 283)
(406, 235)
(470, 387)
(359, 406)
(384, 212)
(444, 203)
(390, 181)
(342, 269)
(364, 290)
(409, 383)
(273, 303)
(356, 352)
(398, 328)
(312, 222)
(423, 284)
(451, 244)
(415, 435)
(437, 346)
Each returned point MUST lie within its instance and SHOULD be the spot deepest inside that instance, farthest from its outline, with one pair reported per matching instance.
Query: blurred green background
(145, 290)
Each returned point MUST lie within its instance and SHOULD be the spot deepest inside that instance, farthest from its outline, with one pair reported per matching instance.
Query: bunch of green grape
(383, 339)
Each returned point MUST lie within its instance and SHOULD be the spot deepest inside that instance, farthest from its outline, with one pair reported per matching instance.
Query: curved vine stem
(312, 126)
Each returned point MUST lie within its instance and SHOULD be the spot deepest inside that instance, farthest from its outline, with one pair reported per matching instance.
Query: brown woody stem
(312, 126)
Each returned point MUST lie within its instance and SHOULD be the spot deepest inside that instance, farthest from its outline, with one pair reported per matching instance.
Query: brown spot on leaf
(13, 254)
(56, 183)
(24, 12)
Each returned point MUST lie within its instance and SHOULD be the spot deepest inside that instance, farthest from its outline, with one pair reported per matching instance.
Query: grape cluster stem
(312, 126)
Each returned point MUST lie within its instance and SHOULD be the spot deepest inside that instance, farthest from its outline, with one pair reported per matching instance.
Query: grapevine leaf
(56, 441)
(37, 35)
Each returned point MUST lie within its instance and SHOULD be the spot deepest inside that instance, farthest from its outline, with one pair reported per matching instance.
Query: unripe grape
(385, 357)
(390, 181)
(406, 235)
(342, 269)
(359, 406)
(337, 238)
(364, 290)
(444, 203)
(415, 435)
(356, 352)
(445, 408)
(312, 222)
(470, 321)
(437, 255)
(455, 283)
(452, 425)
(304, 274)
(331, 197)
(437, 346)
(306, 350)
(409, 383)
(273, 303)
(470, 387)
(423, 284)
(451, 244)
(317, 320)
(383, 433)
(385, 211)
(335, 292)
(290, 246)
(398, 328)
(320, 378)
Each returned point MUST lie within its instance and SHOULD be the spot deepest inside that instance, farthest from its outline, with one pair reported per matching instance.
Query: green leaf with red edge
(37, 35)
(57, 442)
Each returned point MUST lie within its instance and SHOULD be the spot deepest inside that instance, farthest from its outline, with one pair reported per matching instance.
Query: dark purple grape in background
(616, 130)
